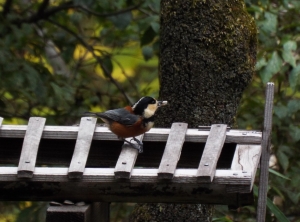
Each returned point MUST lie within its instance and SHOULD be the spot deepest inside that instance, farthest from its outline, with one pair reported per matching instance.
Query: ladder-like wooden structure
(213, 165)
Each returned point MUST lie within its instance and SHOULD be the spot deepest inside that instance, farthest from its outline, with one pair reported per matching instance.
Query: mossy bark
(207, 59)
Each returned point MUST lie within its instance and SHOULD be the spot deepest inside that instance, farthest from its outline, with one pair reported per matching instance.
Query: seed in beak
(162, 103)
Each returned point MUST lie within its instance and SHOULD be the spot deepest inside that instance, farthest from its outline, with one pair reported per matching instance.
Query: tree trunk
(208, 56)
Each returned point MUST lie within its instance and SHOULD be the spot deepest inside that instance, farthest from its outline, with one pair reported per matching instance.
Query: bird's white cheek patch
(149, 112)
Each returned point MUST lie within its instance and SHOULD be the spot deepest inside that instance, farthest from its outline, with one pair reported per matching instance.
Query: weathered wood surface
(127, 159)
(82, 147)
(93, 212)
(155, 134)
(101, 185)
(106, 175)
(246, 158)
(172, 151)
(30, 147)
(66, 213)
(265, 155)
(211, 153)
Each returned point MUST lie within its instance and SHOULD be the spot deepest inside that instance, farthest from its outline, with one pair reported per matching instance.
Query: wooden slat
(106, 175)
(265, 155)
(155, 134)
(211, 153)
(172, 151)
(94, 212)
(127, 159)
(82, 147)
(246, 158)
(99, 184)
(30, 147)
(69, 213)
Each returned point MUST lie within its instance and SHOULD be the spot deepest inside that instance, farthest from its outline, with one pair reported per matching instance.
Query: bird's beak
(162, 103)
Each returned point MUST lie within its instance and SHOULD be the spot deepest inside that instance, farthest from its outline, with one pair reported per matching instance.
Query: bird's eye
(153, 101)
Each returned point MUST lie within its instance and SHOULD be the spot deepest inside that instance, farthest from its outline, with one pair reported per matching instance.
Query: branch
(47, 13)
(43, 14)
(98, 59)
(6, 7)
(42, 7)
(110, 13)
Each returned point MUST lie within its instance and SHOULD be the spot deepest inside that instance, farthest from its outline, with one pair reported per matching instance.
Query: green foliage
(62, 60)
(278, 61)
(100, 43)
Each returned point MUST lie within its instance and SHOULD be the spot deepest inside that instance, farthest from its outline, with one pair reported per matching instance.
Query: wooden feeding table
(165, 177)
(212, 165)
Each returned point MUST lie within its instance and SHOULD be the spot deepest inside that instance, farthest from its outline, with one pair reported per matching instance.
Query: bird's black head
(147, 106)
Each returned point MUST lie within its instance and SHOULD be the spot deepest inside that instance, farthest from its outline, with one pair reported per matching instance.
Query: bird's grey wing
(119, 115)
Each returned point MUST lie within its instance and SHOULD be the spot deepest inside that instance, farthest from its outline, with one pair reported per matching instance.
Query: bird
(131, 121)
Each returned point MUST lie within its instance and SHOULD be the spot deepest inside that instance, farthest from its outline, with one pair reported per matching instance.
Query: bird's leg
(139, 143)
(138, 146)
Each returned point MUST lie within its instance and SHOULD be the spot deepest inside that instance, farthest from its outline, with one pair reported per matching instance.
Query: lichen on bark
(207, 58)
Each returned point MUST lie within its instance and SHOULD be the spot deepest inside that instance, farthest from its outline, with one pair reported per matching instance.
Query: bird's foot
(138, 145)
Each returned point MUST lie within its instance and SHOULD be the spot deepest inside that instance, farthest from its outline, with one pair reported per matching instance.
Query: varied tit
(131, 121)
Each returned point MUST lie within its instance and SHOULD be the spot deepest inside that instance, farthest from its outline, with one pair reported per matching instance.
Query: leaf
(295, 132)
(76, 18)
(276, 211)
(261, 63)
(293, 106)
(221, 219)
(155, 26)
(281, 111)
(269, 25)
(148, 36)
(121, 21)
(107, 66)
(294, 77)
(57, 90)
(294, 197)
(278, 174)
(283, 159)
(273, 67)
(287, 53)
(147, 52)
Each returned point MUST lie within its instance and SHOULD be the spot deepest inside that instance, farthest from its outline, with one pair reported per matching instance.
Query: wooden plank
(100, 184)
(127, 159)
(30, 147)
(211, 153)
(82, 147)
(172, 151)
(145, 175)
(265, 155)
(155, 134)
(69, 213)
(246, 158)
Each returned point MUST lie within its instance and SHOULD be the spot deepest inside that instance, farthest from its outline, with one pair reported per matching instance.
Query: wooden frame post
(94, 212)
(265, 156)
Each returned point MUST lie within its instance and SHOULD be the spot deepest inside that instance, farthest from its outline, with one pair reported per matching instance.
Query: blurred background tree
(61, 58)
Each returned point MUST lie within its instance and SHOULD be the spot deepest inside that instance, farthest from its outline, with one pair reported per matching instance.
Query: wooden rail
(154, 135)
(167, 182)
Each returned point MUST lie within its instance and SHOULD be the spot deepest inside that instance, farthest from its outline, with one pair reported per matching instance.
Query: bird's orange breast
(128, 131)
